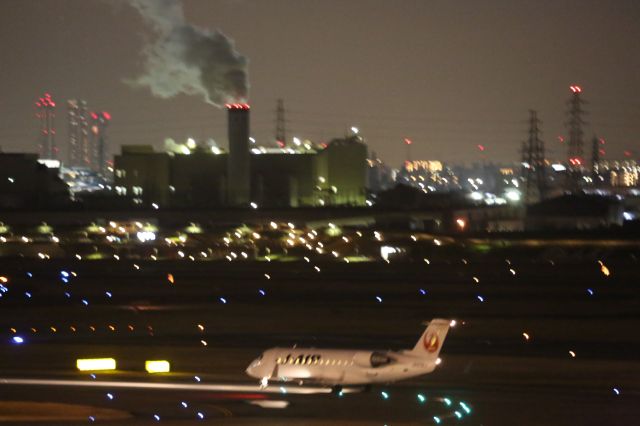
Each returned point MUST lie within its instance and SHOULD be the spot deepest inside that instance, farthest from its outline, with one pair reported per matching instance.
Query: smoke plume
(184, 58)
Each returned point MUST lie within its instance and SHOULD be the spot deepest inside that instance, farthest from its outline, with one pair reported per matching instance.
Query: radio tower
(46, 113)
(533, 166)
(576, 142)
(281, 134)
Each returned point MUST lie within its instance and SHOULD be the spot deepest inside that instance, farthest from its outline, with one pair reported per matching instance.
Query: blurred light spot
(572, 353)
(526, 336)
(184, 404)
(616, 391)
(480, 298)
(17, 339)
(379, 299)
(110, 396)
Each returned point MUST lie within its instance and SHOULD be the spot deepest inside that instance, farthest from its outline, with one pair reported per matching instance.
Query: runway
(548, 344)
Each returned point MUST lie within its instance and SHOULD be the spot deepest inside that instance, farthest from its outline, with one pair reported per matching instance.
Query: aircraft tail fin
(432, 339)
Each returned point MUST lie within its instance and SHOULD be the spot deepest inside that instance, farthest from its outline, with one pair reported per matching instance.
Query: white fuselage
(338, 367)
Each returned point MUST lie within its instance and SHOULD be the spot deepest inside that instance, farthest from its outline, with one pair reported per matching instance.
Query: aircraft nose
(251, 369)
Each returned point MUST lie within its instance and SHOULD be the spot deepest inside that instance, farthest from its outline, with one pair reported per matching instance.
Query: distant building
(575, 212)
(615, 173)
(427, 175)
(27, 183)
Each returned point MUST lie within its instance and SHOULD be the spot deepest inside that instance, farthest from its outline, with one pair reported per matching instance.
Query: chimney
(238, 168)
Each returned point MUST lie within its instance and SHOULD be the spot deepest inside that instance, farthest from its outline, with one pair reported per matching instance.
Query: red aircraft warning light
(408, 141)
(237, 106)
(575, 89)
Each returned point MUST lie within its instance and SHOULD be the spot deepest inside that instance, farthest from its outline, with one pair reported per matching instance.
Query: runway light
(262, 292)
(384, 395)
(203, 342)
(590, 291)
(96, 364)
(110, 396)
(197, 379)
(572, 354)
(480, 298)
(200, 415)
(157, 366)
(465, 407)
(421, 398)
(422, 291)
(447, 401)
(170, 278)
(223, 300)
(458, 414)
(453, 323)
(157, 417)
(379, 299)
(4, 280)
(437, 420)
(616, 391)
(17, 340)
(282, 389)
(184, 404)
(526, 336)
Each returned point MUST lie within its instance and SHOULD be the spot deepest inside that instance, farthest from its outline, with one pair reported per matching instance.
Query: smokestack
(239, 167)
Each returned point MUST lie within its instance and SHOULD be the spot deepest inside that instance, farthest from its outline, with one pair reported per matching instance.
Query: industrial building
(196, 175)
(26, 182)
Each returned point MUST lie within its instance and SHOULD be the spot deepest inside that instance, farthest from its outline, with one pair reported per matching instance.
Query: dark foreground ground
(578, 366)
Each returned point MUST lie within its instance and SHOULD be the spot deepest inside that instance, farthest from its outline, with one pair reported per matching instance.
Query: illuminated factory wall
(200, 178)
(341, 173)
(239, 173)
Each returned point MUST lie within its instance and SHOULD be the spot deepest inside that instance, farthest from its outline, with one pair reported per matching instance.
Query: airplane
(340, 367)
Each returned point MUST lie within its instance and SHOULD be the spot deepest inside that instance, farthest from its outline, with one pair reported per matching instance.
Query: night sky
(448, 74)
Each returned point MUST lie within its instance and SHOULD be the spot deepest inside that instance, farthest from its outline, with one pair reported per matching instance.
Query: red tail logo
(431, 342)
